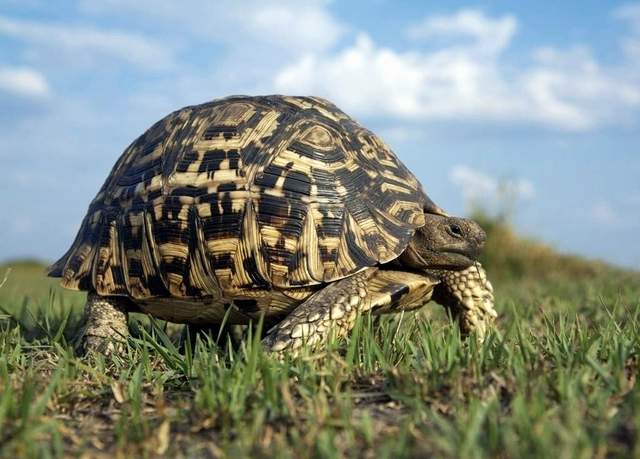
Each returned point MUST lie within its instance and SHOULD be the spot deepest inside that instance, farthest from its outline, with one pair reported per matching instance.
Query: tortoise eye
(455, 230)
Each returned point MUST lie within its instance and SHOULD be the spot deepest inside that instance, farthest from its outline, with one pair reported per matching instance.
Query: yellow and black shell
(241, 193)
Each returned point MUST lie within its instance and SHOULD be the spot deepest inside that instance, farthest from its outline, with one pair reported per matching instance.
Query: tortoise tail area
(74, 266)
(96, 260)
(57, 268)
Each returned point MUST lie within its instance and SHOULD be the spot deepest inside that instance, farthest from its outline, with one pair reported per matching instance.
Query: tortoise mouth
(454, 259)
(461, 258)
(457, 258)
(470, 253)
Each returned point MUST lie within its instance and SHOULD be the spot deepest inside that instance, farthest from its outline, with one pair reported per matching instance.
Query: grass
(557, 378)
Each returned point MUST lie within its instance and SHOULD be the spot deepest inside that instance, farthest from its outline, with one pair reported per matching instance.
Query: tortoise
(278, 207)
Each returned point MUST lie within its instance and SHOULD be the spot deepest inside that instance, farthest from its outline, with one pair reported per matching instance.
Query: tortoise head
(444, 242)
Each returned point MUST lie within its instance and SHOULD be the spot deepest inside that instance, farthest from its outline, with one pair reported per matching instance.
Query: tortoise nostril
(482, 237)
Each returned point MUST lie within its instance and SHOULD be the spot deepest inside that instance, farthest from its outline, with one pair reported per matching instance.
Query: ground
(557, 378)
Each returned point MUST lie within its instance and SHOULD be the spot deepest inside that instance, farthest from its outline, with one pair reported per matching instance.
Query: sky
(527, 107)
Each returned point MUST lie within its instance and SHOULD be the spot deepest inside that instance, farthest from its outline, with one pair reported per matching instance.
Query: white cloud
(569, 90)
(570, 86)
(478, 187)
(23, 81)
(490, 34)
(604, 213)
(630, 14)
(290, 25)
(473, 183)
(88, 43)
(412, 85)
(240, 44)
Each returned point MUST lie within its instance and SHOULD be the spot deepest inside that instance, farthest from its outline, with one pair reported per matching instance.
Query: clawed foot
(469, 295)
(100, 345)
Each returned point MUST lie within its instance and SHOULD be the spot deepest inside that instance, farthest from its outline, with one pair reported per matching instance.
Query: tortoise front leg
(106, 323)
(331, 310)
(469, 296)
(335, 308)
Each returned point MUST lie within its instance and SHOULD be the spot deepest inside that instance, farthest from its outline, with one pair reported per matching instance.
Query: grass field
(557, 378)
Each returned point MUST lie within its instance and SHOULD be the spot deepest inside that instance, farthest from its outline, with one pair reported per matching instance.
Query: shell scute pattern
(244, 193)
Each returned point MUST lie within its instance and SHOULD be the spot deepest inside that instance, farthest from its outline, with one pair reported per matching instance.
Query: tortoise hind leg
(335, 308)
(106, 323)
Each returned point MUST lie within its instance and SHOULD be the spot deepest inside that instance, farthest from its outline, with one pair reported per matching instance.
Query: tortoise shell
(245, 193)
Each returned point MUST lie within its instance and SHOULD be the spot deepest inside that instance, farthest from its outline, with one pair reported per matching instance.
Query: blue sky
(541, 99)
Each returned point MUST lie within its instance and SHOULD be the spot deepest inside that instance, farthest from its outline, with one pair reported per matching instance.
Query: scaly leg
(469, 296)
(106, 323)
(332, 309)
(335, 308)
